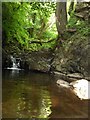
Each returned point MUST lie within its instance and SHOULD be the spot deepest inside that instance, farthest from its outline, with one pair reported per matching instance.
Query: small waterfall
(15, 63)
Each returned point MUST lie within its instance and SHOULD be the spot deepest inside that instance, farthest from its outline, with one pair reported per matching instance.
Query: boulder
(81, 88)
(63, 83)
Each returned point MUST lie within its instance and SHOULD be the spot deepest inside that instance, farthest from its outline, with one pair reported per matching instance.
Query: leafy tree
(24, 22)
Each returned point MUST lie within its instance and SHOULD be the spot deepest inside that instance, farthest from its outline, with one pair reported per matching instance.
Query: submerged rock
(63, 83)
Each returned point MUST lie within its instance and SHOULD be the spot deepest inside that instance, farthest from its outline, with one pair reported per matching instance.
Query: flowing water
(36, 95)
(15, 64)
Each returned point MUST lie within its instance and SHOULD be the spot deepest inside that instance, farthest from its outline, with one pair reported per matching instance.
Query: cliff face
(38, 61)
(73, 56)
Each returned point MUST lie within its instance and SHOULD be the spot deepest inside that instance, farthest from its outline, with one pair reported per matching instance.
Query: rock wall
(39, 61)
(73, 56)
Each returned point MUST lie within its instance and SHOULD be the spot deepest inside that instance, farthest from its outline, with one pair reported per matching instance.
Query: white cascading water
(15, 64)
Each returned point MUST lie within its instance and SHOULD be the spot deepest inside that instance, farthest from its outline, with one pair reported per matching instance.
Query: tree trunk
(61, 17)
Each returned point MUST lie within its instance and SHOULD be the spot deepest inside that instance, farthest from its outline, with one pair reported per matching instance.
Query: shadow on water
(35, 95)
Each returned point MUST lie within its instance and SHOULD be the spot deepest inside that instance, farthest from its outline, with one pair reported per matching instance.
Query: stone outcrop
(36, 61)
(39, 61)
(73, 56)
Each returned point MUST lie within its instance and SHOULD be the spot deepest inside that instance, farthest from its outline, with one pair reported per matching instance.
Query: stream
(36, 95)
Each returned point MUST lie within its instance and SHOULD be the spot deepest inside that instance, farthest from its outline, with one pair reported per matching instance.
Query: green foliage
(72, 21)
(14, 19)
(24, 22)
(80, 25)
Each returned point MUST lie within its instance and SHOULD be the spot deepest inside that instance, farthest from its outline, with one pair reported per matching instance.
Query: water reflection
(28, 99)
(45, 104)
(33, 95)
(34, 102)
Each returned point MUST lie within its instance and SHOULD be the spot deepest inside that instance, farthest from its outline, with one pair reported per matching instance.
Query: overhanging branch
(41, 42)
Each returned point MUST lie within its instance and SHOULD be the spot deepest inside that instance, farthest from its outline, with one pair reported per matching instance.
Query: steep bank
(73, 56)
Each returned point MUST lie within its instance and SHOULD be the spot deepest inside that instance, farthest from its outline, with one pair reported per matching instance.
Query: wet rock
(6, 60)
(75, 75)
(81, 88)
(73, 56)
(37, 61)
(63, 83)
(24, 64)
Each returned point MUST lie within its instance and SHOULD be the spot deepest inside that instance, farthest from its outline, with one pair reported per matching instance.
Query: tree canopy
(24, 23)
(35, 25)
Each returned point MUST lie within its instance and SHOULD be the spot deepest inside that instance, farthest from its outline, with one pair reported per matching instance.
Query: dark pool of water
(36, 95)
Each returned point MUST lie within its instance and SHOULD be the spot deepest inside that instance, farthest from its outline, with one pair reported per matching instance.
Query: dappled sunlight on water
(36, 95)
